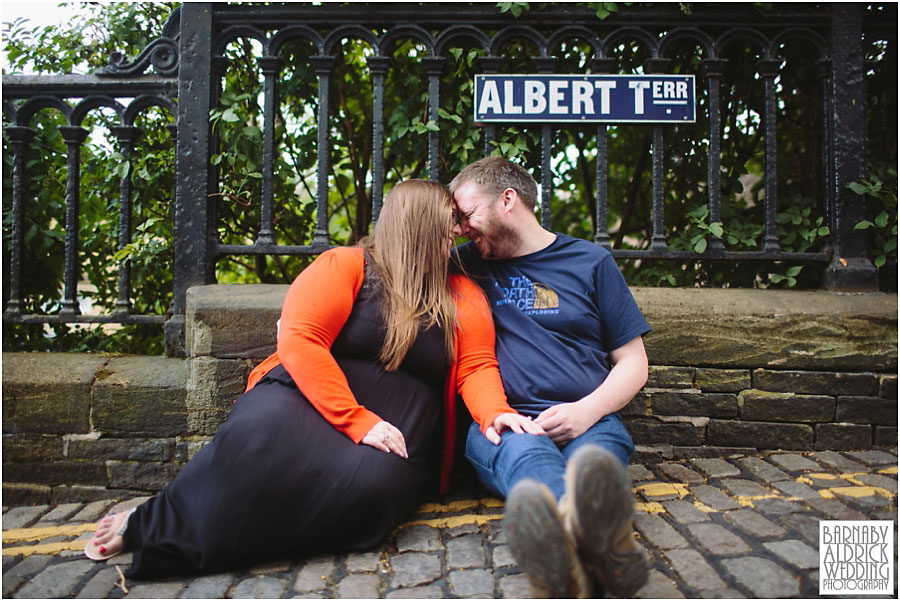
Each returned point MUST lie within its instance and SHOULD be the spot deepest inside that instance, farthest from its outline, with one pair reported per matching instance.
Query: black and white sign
(856, 557)
(585, 98)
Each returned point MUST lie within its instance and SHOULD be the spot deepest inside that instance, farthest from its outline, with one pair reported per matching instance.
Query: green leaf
(794, 271)
(823, 231)
(857, 187)
(882, 219)
(863, 225)
(700, 246)
(230, 116)
(716, 229)
(880, 260)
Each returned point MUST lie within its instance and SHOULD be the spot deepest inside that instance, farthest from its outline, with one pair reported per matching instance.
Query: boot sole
(538, 542)
(603, 506)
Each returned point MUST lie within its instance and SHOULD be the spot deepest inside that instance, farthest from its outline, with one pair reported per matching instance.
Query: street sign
(585, 98)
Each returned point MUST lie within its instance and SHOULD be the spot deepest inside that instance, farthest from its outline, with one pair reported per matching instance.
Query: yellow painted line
(661, 489)
(826, 493)
(46, 548)
(861, 491)
(22, 534)
(452, 506)
(852, 478)
(651, 507)
(888, 470)
(454, 521)
(704, 507)
(822, 476)
(492, 502)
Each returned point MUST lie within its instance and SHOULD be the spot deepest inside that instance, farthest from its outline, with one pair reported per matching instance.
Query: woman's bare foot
(108, 540)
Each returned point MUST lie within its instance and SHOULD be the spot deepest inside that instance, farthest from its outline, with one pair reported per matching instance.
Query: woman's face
(455, 230)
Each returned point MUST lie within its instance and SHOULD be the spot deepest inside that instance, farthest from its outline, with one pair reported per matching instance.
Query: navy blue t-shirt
(558, 313)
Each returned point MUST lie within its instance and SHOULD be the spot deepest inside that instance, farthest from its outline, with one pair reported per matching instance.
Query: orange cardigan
(315, 309)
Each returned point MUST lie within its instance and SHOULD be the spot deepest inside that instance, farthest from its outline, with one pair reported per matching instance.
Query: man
(571, 356)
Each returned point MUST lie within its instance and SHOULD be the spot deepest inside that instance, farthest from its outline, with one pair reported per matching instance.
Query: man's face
(481, 221)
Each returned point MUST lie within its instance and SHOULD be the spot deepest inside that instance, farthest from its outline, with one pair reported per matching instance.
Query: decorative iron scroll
(161, 54)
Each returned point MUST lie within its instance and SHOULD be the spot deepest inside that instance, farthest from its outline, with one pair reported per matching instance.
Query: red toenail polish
(103, 550)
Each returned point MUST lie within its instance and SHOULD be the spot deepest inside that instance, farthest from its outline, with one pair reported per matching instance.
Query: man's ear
(509, 198)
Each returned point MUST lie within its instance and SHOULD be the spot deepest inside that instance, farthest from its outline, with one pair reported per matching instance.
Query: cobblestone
(762, 469)
(713, 528)
(685, 512)
(794, 463)
(359, 586)
(208, 587)
(696, 573)
(753, 523)
(749, 571)
(795, 552)
(715, 467)
(468, 583)
(676, 471)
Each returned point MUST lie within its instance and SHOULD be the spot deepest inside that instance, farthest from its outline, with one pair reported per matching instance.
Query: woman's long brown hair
(409, 245)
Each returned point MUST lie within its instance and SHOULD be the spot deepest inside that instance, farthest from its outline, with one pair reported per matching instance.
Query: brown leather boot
(597, 509)
(541, 545)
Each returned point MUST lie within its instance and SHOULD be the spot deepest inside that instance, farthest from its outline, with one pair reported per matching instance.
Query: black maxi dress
(279, 481)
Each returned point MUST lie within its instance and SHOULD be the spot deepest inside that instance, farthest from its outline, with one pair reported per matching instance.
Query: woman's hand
(511, 421)
(386, 437)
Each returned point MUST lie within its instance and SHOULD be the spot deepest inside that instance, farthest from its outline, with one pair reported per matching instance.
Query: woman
(332, 443)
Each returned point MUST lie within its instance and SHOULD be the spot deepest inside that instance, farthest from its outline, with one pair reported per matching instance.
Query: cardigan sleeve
(478, 376)
(315, 309)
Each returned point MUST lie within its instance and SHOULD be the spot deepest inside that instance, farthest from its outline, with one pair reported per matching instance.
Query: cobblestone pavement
(745, 526)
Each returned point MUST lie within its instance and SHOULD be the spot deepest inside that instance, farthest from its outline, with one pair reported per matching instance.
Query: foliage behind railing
(677, 205)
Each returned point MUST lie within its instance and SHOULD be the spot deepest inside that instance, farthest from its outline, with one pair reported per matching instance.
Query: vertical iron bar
(658, 239)
(601, 230)
(768, 70)
(73, 136)
(823, 73)
(601, 222)
(434, 66)
(193, 240)
(851, 268)
(546, 64)
(19, 138)
(712, 69)
(323, 66)
(126, 135)
(489, 64)
(270, 66)
(378, 66)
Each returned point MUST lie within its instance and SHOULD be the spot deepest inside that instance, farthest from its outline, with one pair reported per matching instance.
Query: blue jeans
(521, 456)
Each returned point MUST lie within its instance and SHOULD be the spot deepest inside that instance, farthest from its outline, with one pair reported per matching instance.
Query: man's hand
(511, 421)
(566, 421)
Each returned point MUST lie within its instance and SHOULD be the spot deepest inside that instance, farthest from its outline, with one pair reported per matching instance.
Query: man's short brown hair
(496, 174)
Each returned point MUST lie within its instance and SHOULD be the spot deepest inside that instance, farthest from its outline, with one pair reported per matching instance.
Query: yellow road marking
(651, 507)
(454, 521)
(822, 476)
(46, 548)
(452, 506)
(888, 470)
(22, 534)
(661, 489)
(861, 491)
(704, 507)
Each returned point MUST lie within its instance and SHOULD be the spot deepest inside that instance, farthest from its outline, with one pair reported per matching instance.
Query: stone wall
(730, 370)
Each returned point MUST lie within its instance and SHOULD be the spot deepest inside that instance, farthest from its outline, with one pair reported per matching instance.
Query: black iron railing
(189, 58)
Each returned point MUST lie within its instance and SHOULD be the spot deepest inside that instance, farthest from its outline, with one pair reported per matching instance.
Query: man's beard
(499, 240)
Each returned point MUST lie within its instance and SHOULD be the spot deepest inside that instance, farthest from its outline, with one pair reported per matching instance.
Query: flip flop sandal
(92, 551)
